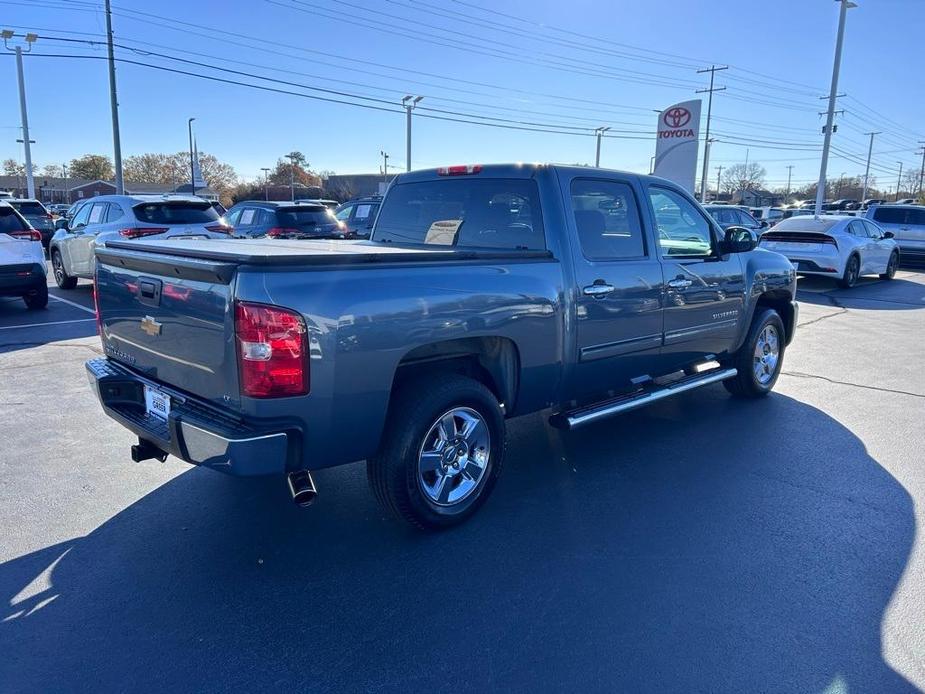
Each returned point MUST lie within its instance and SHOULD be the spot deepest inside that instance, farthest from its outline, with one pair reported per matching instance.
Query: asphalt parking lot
(702, 544)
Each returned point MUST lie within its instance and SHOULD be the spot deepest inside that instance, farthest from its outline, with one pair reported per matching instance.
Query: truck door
(704, 291)
(618, 317)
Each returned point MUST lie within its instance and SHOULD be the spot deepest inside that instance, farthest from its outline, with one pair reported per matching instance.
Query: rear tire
(62, 279)
(891, 267)
(39, 300)
(760, 358)
(851, 274)
(428, 471)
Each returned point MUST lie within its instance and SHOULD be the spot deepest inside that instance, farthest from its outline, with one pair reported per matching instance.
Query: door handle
(598, 290)
(679, 283)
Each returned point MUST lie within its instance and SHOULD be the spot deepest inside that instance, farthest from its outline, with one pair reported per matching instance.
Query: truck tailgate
(171, 319)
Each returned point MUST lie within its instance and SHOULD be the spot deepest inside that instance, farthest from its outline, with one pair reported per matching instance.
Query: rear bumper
(195, 431)
(21, 279)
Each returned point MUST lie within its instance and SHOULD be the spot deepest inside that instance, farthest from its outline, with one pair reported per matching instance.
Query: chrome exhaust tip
(302, 488)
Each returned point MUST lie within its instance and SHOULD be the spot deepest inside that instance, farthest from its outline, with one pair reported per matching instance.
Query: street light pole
(898, 180)
(719, 172)
(27, 142)
(114, 104)
(385, 166)
(833, 94)
(67, 192)
(789, 175)
(266, 183)
(600, 135)
(409, 102)
(870, 150)
(192, 169)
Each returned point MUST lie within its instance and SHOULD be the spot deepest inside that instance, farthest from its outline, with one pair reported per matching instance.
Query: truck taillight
(459, 170)
(138, 232)
(272, 351)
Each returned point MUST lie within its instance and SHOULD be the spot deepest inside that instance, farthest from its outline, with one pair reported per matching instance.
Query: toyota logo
(676, 117)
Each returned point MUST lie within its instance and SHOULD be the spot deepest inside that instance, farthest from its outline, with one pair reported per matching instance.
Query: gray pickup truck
(483, 293)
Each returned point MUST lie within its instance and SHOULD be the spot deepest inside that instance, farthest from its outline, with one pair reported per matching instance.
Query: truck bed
(315, 252)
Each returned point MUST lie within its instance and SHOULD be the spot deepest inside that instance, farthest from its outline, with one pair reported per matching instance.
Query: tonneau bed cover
(313, 252)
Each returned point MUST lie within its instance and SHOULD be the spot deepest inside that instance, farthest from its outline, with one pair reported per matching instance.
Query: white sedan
(835, 246)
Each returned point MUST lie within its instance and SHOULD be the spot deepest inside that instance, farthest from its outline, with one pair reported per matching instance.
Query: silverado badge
(150, 326)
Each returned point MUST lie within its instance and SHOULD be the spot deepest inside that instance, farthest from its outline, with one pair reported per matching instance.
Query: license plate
(157, 403)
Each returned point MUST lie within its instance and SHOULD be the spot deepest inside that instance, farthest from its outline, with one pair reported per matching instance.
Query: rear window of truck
(176, 213)
(465, 213)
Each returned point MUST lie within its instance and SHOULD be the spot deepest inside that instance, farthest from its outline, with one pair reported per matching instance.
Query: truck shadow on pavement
(687, 547)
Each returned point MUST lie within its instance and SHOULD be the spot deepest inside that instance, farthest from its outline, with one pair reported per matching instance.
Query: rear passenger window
(607, 220)
(915, 217)
(463, 212)
(890, 215)
(247, 217)
(115, 212)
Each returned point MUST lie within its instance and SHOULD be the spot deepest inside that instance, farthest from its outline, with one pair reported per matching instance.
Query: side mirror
(739, 240)
(888, 234)
(762, 224)
(61, 223)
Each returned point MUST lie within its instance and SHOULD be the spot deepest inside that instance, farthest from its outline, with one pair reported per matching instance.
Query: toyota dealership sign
(678, 143)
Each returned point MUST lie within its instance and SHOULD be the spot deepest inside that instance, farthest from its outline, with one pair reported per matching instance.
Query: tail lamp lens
(272, 351)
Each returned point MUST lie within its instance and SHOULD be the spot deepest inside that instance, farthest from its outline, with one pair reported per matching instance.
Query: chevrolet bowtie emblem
(150, 326)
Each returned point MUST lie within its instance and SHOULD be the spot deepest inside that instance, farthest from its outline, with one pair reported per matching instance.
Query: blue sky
(572, 67)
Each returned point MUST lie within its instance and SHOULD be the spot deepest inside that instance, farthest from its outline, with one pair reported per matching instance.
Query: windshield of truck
(463, 212)
(176, 212)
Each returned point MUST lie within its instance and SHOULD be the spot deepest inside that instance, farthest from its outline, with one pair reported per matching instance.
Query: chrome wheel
(454, 456)
(57, 267)
(767, 354)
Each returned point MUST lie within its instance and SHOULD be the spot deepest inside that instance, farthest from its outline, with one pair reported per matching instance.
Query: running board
(591, 413)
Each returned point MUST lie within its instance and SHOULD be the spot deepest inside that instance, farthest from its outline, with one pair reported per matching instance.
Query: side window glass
(232, 217)
(115, 212)
(607, 220)
(362, 213)
(344, 214)
(247, 216)
(80, 219)
(916, 217)
(872, 230)
(97, 213)
(682, 229)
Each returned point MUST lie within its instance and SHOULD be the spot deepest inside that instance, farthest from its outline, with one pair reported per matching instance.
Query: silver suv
(109, 217)
(907, 222)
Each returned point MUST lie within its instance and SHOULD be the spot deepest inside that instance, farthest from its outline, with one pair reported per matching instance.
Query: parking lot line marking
(72, 303)
(39, 325)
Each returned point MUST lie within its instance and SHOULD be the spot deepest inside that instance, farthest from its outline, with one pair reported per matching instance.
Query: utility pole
(266, 183)
(409, 102)
(870, 150)
(706, 140)
(291, 177)
(789, 175)
(922, 170)
(599, 132)
(385, 166)
(833, 94)
(719, 172)
(114, 103)
(67, 192)
(899, 180)
(192, 170)
(27, 143)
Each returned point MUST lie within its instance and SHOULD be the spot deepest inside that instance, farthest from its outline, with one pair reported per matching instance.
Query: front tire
(441, 452)
(891, 267)
(62, 279)
(851, 274)
(760, 358)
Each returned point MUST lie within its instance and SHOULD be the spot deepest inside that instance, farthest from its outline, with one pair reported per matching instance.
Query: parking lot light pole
(27, 143)
(599, 132)
(870, 150)
(385, 166)
(409, 102)
(830, 115)
(67, 193)
(192, 169)
(266, 183)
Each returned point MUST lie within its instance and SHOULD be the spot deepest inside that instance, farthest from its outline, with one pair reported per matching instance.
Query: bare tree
(740, 177)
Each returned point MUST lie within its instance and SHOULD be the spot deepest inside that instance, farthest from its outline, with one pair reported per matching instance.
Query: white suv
(109, 217)
(22, 260)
